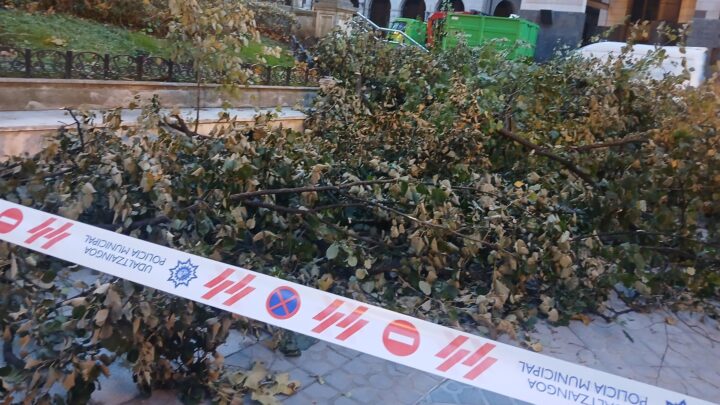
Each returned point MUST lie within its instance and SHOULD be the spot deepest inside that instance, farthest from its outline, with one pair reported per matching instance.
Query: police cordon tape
(446, 352)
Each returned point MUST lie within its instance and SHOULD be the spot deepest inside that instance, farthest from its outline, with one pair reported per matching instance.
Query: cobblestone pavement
(680, 352)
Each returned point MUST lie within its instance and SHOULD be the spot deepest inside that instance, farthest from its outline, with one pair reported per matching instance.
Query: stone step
(25, 132)
(48, 94)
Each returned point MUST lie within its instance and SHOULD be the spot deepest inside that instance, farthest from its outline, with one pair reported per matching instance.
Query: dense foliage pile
(458, 187)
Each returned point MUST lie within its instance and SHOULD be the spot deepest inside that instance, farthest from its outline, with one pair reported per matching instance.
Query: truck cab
(415, 29)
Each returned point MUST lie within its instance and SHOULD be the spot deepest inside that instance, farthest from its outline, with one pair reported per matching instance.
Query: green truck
(520, 35)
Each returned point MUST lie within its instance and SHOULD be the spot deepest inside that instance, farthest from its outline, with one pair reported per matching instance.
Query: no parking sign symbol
(283, 303)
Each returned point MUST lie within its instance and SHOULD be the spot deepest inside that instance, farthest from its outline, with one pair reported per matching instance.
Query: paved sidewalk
(680, 352)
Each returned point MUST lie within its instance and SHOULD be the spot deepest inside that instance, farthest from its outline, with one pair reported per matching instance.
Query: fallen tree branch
(350, 232)
(299, 211)
(621, 142)
(47, 175)
(253, 203)
(427, 224)
(297, 190)
(544, 152)
(148, 221)
(181, 126)
(643, 232)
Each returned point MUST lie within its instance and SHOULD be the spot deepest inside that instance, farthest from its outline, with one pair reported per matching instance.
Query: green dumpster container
(477, 29)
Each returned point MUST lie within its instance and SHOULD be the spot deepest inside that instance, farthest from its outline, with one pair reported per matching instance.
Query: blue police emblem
(673, 403)
(183, 273)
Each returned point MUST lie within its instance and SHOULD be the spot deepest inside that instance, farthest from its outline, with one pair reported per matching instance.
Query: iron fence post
(268, 75)
(140, 60)
(28, 62)
(288, 74)
(170, 71)
(106, 66)
(68, 64)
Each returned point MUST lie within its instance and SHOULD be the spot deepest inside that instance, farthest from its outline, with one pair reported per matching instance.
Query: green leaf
(332, 251)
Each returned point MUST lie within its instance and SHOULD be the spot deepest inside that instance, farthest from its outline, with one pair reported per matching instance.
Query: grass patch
(64, 32)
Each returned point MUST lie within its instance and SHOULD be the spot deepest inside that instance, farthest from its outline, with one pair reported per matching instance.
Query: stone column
(329, 13)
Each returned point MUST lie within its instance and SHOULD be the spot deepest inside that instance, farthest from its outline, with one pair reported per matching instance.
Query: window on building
(644, 10)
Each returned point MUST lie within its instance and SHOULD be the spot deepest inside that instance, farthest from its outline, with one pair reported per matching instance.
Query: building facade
(571, 22)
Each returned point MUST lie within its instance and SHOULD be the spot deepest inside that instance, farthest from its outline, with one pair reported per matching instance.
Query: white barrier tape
(483, 363)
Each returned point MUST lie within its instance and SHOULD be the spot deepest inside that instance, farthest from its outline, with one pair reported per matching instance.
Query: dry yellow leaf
(536, 347)
(101, 317)
(326, 281)
(581, 317)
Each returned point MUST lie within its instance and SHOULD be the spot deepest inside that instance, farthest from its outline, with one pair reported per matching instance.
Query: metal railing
(300, 53)
(55, 64)
(391, 31)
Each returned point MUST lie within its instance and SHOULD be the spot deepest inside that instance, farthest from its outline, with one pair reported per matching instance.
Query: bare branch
(79, 128)
(544, 152)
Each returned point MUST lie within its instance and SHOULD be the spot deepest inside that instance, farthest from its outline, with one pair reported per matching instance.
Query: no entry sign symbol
(10, 219)
(283, 303)
(401, 338)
